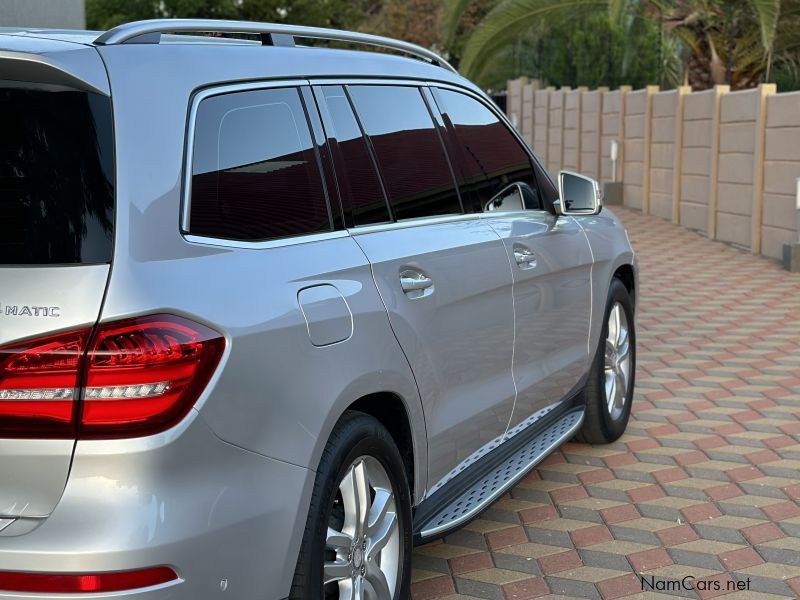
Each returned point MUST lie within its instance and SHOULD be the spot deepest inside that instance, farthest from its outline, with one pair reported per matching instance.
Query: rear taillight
(78, 583)
(144, 374)
(38, 385)
(135, 377)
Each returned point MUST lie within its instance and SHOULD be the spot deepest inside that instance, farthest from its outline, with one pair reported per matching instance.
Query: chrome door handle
(525, 258)
(415, 284)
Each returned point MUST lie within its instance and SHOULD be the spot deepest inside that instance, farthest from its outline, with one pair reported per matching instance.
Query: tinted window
(255, 174)
(408, 149)
(358, 182)
(56, 177)
(491, 157)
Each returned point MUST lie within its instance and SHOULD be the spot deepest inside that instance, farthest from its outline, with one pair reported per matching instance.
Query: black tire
(599, 425)
(356, 435)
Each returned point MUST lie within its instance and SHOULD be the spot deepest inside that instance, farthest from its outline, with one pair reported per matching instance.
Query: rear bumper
(184, 499)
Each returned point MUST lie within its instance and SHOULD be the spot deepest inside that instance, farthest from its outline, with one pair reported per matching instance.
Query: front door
(549, 256)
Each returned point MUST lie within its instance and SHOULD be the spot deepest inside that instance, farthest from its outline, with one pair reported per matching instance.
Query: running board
(494, 484)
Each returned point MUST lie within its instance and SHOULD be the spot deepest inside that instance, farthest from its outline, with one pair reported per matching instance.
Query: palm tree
(715, 41)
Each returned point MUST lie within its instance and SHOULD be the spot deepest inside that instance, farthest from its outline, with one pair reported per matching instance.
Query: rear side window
(358, 181)
(492, 160)
(56, 177)
(255, 173)
(408, 149)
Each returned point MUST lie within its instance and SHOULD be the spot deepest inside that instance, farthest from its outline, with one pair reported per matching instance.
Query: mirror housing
(578, 195)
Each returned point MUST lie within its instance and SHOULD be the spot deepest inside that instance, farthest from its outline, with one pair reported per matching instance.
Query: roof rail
(272, 34)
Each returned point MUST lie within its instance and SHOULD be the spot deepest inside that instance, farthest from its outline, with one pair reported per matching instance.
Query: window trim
(186, 188)
(222, 88)
(485, 100)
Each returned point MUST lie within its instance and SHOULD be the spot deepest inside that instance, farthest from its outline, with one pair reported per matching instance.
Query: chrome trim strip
(197, 98)
(407, 223)
(128, 32)
(425, 533)
(265, 245)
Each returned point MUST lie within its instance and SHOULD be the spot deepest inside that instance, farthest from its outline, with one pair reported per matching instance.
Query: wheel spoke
(382, 534)
(613, 326)
(346, 589)
(336, 540)
(609, 355)
(355, 494)
(377, 584)
(337, 570)
(611, 391)
(358, 588)
(619, 325)
(361, 480)
(622, 339)
(380, 505)
(624, 374)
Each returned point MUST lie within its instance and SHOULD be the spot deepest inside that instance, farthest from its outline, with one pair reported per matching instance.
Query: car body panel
(459, 338)
(611, 249)
(175, 499)
(552, 303)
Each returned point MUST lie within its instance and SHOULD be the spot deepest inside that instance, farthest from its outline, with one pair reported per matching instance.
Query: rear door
(443, 275)
(550, 257)
(56, 233)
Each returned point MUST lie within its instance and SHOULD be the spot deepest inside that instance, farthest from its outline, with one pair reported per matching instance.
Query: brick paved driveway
(706, 480)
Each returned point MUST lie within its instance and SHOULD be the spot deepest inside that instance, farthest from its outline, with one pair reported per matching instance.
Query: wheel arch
(394, 401)
(390, 411)
(626, 275)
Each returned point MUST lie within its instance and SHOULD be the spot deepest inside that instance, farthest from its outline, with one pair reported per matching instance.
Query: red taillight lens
(136, 377)
(69, 583)
(38, 385)
(144, 374)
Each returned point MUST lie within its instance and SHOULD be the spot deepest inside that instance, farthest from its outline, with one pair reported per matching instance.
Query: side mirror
(578, 195)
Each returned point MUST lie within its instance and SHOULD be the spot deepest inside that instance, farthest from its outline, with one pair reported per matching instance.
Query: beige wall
(781, 170)
(723, 163)
(572, 131)
(662, 152)
(637, 108)
(541, 119)
(611, 129)
(514, 100)
(737, 144)
(527, 111)
(700, 126)
(590, 114)
(555, 131)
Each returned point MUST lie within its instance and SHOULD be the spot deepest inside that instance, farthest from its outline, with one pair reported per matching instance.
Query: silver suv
(272, 314)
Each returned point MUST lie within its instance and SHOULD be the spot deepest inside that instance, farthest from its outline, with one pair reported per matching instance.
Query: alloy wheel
(363, 538)
(617, 364)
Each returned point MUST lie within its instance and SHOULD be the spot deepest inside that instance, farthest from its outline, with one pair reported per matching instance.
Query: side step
(499, 480)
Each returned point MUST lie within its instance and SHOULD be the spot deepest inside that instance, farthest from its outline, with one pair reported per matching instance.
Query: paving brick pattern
(705, 482)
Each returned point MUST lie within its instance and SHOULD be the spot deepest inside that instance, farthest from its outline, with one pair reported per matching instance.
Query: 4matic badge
(29, 310)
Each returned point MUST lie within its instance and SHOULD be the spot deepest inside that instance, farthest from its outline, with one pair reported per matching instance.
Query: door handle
(524, 258)
(415, 284)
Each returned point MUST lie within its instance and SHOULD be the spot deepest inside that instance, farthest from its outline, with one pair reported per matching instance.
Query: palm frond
(508, 20)
(452, 11)
(767, 13)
